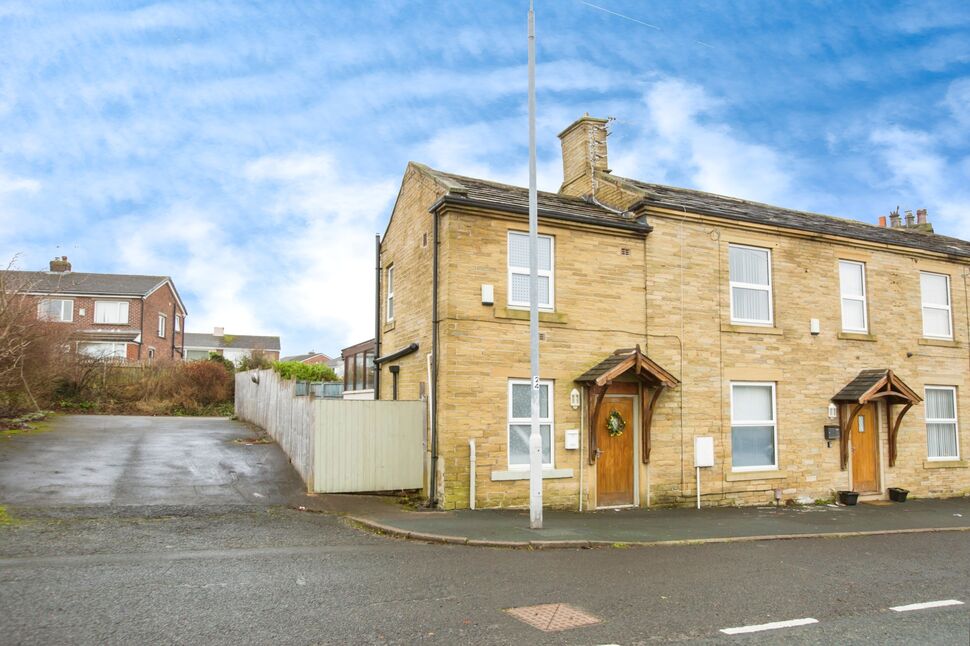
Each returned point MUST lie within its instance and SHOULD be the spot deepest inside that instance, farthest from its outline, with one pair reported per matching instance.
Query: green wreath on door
(615, 424)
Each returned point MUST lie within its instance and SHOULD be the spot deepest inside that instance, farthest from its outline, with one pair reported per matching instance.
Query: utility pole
(535, 436)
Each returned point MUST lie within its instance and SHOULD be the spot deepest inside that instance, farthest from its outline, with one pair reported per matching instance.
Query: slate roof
(304, 357)
(602, 367)
(478, 192)
(746, 211)
(235, 341)
(72, 282)
(860, 385)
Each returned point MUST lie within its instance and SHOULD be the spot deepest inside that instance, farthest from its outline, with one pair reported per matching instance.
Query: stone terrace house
(115, 316)
(233, 347)
(669, 314)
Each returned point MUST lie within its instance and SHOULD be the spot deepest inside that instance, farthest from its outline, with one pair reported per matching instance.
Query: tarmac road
(226, 567)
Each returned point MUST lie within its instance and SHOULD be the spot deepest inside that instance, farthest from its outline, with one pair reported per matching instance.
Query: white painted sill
(523, 474)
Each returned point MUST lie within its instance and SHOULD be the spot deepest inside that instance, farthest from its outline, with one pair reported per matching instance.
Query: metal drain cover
(552, 617)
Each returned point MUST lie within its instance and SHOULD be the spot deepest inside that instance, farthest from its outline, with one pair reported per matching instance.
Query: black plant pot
(897, 494)
(848, 497)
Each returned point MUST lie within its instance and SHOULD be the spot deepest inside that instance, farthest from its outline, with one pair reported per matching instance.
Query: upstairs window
(941, 423)
(390, 293)
(178, 323)
(852, 282)
(520, 422)
(750, 276)
(56, 309)
(519, 270)
(162, 321)
(935, 290)
(112, 312)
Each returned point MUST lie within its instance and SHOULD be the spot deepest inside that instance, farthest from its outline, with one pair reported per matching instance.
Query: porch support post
(895, 432)
(845, 422)
(596, 394)
(648, 409)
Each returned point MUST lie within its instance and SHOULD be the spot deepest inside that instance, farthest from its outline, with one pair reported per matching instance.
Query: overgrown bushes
(304, 371)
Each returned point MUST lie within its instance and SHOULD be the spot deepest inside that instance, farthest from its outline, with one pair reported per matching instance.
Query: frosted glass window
(520, 414)
(390, 293)
(852, 282)
(753, 428)
(112, 312)
(750, 278)
(941, 423)
(935, 291)
(519, 270)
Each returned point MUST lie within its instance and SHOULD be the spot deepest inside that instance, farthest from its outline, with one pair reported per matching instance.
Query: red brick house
(310, 358)
(117, 316)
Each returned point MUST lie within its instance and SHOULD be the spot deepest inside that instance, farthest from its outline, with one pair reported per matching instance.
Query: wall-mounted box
(572, 439)
(831, 433)
(703, 451)
(488, 294)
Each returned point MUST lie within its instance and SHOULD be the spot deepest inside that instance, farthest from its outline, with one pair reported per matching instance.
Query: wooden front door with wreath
(615, 435)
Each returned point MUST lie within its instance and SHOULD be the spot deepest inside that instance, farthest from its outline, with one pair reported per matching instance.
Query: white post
(698, 487)
(535, 437)
(471, 474)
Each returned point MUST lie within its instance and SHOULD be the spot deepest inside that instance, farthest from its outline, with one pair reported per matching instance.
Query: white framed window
(750, 278)
(151, 353)
(390, 294)
(935, 293)
(162, 321)
(754, 431)
(178, 323)
(518, 278)
(104, 349)
(852, 284)
(56, 309)
(520, 422)
(112, 312)
(941, 423)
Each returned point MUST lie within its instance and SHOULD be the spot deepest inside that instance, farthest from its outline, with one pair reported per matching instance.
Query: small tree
(255, 360)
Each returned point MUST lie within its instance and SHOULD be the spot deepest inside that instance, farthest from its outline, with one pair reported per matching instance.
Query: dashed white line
(927, 604)
(772, 626)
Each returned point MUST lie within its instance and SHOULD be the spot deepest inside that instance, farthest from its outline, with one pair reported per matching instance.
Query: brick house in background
(310, 358)
(817, 353)
(116, 316)
(233, 347)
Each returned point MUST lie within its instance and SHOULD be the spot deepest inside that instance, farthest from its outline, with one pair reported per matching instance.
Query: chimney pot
(894, 219)
(882, 220)
(909, 218)
(920, 216)
(583, 153)
(218, 331)
(60, 265)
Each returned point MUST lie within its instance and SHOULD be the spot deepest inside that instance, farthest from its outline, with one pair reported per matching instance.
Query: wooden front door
(614, 466)
(865, 450)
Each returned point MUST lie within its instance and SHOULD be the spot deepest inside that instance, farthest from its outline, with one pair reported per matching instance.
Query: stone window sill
(751, 329)
(523, 474)
(940, 343)
(523, 315)
(741, 476)
(389, 326)
(945, 464)
(856, 336)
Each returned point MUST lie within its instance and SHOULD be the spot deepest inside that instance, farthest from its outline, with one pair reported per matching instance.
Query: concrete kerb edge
(388, 530)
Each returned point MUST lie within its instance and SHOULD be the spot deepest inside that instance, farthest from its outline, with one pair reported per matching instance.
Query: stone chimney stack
(910, 221)
(583, 152)
(894, 220)
(218, 331)
(921, 216)
(60, 265)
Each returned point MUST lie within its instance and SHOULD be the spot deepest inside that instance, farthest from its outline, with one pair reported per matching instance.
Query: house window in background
(754, 438)
(750, 277)
(941, 423)
(56, 309)
(111, 312)
(104, 350)
(852, 282)
(518, 277)
(935, 292)
(162, 320)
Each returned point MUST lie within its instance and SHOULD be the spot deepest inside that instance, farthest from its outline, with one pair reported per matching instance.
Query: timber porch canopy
(870, 386)
(598, 379)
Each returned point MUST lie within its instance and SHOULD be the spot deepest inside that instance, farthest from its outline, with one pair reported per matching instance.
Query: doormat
(552, 617)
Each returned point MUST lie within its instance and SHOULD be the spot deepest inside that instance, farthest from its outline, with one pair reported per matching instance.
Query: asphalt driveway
(118, 461)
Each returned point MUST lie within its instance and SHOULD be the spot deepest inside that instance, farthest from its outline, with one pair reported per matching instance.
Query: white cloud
(957, 100)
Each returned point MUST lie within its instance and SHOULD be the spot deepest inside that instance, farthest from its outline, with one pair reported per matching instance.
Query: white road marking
(772, 626)
(927, 604)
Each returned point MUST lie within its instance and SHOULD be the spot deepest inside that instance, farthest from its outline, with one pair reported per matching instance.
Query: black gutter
(433, 486)
(141, 325)
(377, 317)
(403, 352)
(634, 226)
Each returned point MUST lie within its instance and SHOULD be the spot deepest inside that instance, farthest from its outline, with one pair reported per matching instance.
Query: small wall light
(574, 399)
(833, 411)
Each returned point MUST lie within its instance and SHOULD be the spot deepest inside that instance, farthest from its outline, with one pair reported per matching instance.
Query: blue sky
(252, 150)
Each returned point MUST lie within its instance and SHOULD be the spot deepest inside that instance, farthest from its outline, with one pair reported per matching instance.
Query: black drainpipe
(141, 324)
(377, 317)
(394, 371)
(433, 498)
(175, 313)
